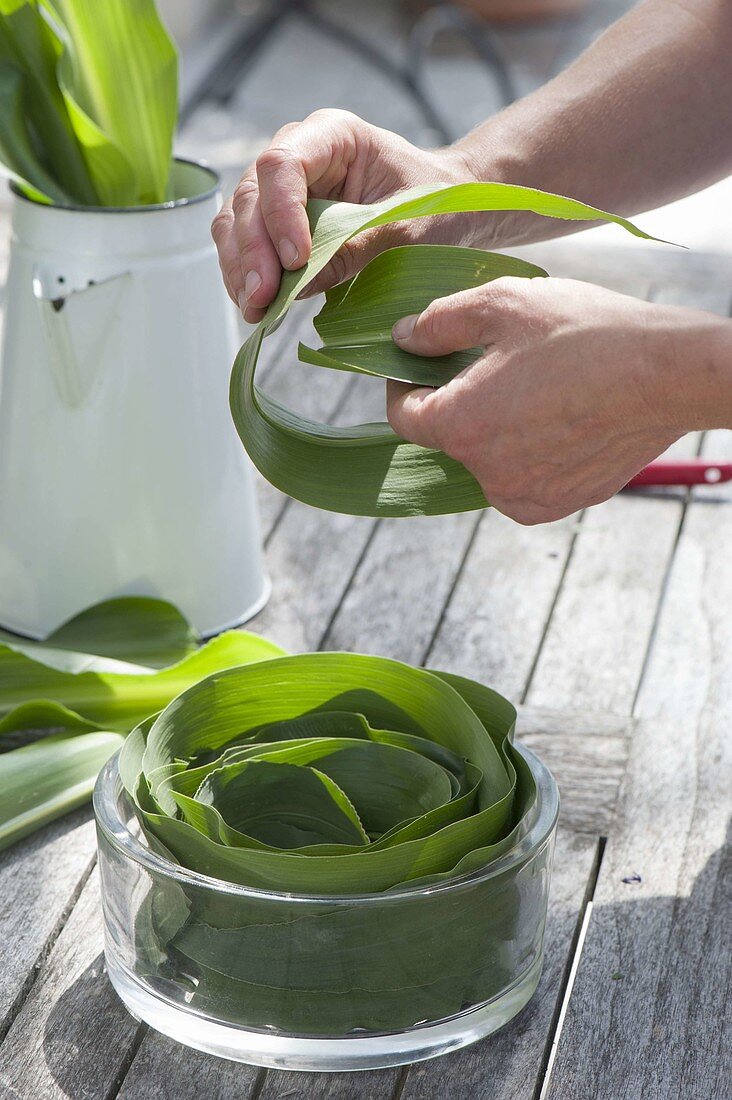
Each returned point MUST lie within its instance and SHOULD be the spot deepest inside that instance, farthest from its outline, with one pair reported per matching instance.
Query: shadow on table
(88, 1036)
(90, 1039)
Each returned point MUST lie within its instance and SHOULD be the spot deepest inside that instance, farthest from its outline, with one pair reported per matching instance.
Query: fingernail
(404, 328)
(252, 283)
(288, 252)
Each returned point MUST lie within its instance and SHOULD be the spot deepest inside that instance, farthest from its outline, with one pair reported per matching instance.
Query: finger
(258, 260)
(459, 321)
(413, 413)
(316, 157)
(222, 231)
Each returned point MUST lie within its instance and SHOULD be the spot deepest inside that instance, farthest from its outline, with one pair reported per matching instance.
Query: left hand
(573, 395)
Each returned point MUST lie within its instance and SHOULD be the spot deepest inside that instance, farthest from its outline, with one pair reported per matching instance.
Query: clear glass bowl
(322, 983)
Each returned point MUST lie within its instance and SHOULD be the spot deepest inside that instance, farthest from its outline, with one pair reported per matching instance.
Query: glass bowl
(300, 982)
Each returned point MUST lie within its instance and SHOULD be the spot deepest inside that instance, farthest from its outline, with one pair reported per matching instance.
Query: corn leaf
(42, 781)
(139, 629)
(18, 158)
(107, 693)
(424, 785)
(92, 680)
(39, 132)
(367, 469)
(119, 77)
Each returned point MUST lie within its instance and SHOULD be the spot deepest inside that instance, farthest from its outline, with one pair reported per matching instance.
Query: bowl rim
(108, 791)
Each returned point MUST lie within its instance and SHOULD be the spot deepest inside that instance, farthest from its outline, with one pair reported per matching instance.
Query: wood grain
(495, 621)
(72, 1036)
(587, 755)
(39, 881)
(653, 986)
(165, 1070)
(595, 645)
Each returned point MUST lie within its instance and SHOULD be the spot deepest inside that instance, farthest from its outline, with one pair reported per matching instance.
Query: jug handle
(56, 327)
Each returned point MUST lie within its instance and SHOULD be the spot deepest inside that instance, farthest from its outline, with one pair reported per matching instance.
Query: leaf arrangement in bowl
(367, 469)
(88, 101)
(330, 773)
(365, 806)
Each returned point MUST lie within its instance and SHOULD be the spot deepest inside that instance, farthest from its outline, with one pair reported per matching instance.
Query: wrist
(693, 367)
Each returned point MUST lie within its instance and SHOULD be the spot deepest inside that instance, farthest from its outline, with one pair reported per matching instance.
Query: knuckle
(245, 194)
(507, 294)
(341, 265)
(409, 420)
(221, 224)
(526, 515)
(431, 320)
(274, 158)
(333, 115)
(285, 131)
(232, 272)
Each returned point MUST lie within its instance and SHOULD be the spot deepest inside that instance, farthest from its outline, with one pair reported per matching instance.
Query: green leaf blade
(367, 469)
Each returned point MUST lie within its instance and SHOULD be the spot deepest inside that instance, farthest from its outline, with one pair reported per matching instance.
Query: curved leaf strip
(254, 811)
(367, 469)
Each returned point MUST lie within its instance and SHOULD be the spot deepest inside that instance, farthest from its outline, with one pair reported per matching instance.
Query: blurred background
(427, 69)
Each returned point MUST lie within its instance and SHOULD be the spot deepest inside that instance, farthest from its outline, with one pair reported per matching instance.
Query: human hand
(578, 389)
(333, 154)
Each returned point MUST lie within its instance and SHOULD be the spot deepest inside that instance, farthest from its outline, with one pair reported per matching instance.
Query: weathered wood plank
(495, 620)
(587, 755)
(410, 565)
(377, 1085)
(313, 554)
(72, 1035)
(39, 878)
(652, 989)
(596, 642)
(164, 1070)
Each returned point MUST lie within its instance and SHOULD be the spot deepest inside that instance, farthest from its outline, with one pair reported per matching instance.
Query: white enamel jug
(120, 468)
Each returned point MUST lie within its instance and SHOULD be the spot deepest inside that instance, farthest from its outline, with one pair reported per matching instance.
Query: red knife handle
(692, 471)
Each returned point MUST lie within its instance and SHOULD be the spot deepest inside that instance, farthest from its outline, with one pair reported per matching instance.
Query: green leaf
(139, 629)
(367, 469)
(18, 158)
(227, 781)
(355, 326)
(391, 787)
(40, 118)
(281, 805)
(39, 782)
(105, 684)
(81, 680)
(119, 77)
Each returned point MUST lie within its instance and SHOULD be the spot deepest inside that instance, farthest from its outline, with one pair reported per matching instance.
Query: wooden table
(613, 630)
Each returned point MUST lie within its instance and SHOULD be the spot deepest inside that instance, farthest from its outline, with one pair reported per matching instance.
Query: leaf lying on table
(334, 774)
(82, 679)
(48, 778)
(367, 469)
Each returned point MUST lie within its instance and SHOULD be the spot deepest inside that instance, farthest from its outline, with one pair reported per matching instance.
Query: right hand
(333, 154)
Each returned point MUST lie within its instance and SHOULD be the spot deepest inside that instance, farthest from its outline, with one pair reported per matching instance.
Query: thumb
(412, 412)
(454, 323)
